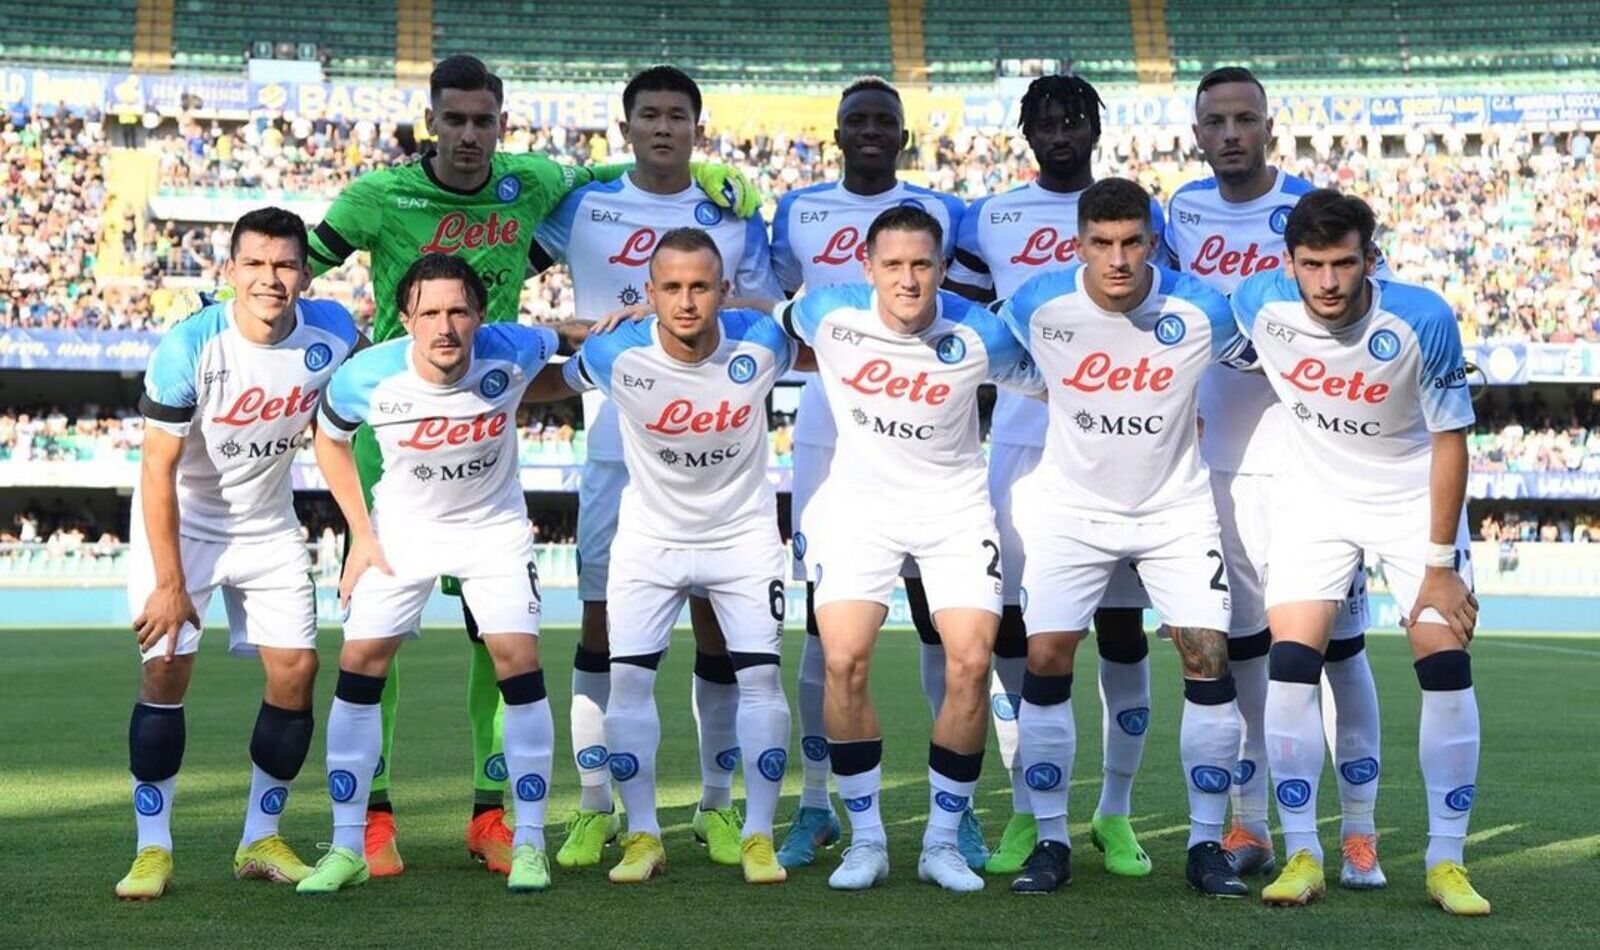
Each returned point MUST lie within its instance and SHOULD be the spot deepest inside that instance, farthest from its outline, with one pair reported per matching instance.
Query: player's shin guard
(859, 777)
(633, 732)
(278, 749)
(591, 688)
(1294, 742)
(530, 743)
(1448, 746)
(952, 780)
(1005, 699)
(1247, 661)
(813, 736)
(1208, 744)
(1356, 759)
(1048, 742)
(355, 741)
(715, 702)
(1125, 701)
(486, 715)
(156, 737)
(763, 726)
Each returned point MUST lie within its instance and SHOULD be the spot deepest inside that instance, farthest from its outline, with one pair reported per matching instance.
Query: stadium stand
(356, 37)
(728, 40)
(966, 41)
(97, 33)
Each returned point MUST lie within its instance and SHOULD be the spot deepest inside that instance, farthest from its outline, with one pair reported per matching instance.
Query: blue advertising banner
(104, 350)
(1513, 364)
(1570, 486)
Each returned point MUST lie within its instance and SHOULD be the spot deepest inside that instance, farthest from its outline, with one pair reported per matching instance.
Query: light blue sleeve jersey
(347, 402)
(597, 358)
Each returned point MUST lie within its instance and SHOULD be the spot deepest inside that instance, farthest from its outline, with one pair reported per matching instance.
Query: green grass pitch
(66, 832)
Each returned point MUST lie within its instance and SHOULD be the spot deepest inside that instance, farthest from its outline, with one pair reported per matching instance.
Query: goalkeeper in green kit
(461, 198)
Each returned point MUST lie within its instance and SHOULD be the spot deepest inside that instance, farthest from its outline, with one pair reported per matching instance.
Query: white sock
(716, 709)
(633, 732)
(949, 797)
(1447, 743)
(268, 795)
(1048, 740)
(1249, 796)
(859, 793)
(930, 661)
(1356, 759)
(1294, 756)
(152, 812)
(813, 736)
(1005, 700)
(1125, 705)
(530, 745)
(355, 741)
(587, 717)
(1208, 744)
(763, 725)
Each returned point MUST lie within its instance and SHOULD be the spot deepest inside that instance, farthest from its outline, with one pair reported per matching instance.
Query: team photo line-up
(1171, 421)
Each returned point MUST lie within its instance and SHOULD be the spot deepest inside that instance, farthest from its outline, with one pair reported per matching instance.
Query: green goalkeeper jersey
(404, 212)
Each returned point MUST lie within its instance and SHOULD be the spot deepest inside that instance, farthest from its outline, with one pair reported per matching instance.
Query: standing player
(697, 514)
(605, 233)
(1375, 466)
(817, 242)
(443, 405)
(1121, 345)
(464, 198)
(902, 362)
(227, 398)
(1223, 229)
(1006, 239)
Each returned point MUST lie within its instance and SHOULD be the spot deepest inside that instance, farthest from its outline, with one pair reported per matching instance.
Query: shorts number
(1219, 579)
(993, 570)
(776, 599)
(533, 579)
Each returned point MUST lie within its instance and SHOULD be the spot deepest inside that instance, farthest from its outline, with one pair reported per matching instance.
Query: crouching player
(226, 402)
(442, 405)
(690, 386)
(1376, 465)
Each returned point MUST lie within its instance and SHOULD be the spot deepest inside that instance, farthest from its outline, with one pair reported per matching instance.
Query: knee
(165, 683)
(1052, 654)
(966, 671)
(292, 675)
(846, 671)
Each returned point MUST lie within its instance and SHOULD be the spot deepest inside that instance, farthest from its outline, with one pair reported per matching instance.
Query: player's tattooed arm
(1204, 652)
(168, 607)
(550, 385)
(571, 332)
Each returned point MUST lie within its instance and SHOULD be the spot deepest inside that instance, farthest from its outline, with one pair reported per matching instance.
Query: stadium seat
(83, 33)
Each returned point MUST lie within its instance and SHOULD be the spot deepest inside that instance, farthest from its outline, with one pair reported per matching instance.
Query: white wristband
(1441, 555)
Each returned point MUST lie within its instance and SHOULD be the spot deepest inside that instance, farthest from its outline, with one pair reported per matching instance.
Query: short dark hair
(467, 73)
(687, 240)
(1073, 92)
(660, 79)
(438, 266)
(1226, 74)
(906, 218)
(1114, 199)
(870, 84)
(1325, 217)
(273, 222)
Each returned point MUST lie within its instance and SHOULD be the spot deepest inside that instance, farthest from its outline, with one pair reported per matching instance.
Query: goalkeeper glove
(728, 189)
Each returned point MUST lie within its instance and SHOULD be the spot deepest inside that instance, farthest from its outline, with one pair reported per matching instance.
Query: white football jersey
(1363, 399)
(605, 232)
(694, 435)
(1004, 240)
(449, 452)
(906, 404)
(1223, 242)
(1122, 444)
(242, 410)
(819, 239)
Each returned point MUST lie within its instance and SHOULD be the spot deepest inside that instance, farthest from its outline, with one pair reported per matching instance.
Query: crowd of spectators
(1508, 228)
(1529, 436)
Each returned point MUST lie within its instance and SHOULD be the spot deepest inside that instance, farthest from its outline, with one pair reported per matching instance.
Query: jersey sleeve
(1009, 363)
(956, 209)
(1229, 344)
(1248, 299)
(759, 328)
(785, 265)
(1446, 401)
(800, 317)
(1161, 253)
(169, 397)
(345, 403)
(754, 278)
(968, 267)
(534, 346)
(554, 234)
(331, 317)
(352, 223)
(1016, 311)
